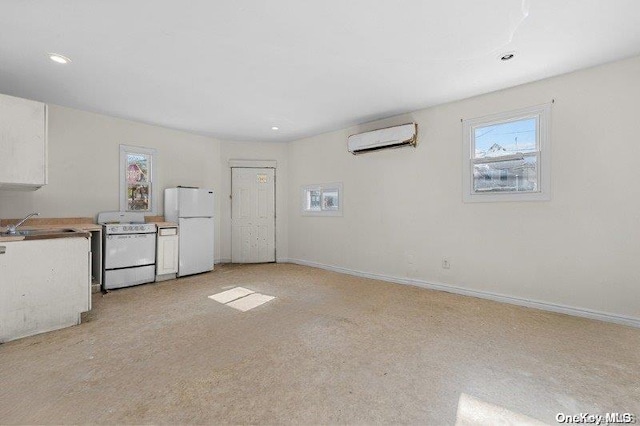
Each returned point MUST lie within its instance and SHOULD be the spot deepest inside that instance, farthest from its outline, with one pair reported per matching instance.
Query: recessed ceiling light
(507, 56)
(60, 59)
(274, 128)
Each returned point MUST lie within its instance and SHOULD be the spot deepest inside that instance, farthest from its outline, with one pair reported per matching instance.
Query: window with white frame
(322, 200)
(136, 179)
(506, 156)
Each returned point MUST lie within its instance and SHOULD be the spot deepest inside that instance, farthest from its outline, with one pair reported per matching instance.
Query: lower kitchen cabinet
(167, 253)
(44, 285)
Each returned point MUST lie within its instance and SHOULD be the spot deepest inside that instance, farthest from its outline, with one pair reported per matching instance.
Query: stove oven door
(123, 251)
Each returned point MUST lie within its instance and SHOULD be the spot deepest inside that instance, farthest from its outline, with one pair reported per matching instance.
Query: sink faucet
(11, 229)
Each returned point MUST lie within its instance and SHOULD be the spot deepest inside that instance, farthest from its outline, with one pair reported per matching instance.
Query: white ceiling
(235, 68)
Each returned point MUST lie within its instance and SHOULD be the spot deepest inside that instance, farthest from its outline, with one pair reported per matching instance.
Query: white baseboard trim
(228, 260)
(529, 303)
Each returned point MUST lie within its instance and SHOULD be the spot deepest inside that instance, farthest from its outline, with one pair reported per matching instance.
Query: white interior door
(253, 220)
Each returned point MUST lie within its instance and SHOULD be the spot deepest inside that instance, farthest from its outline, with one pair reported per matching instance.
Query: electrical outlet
(446, 264)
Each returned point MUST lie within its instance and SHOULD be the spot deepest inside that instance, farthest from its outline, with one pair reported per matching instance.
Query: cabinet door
(167, 261)
(23, 144)
(44, 285)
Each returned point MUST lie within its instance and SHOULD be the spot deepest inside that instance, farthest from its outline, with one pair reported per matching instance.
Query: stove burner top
(125, 223)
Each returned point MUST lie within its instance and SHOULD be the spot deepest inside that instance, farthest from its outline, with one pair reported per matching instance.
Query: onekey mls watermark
(597, 419)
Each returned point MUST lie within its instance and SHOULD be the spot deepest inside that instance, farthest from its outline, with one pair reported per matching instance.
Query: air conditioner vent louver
(390, 137)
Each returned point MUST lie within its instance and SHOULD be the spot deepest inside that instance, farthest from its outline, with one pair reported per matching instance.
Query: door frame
(255, 164)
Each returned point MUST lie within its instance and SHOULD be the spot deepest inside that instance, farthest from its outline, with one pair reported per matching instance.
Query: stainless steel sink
(43, 231)
(35, 232)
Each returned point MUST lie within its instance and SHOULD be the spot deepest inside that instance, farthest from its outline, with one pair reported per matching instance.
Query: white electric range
(129, 249)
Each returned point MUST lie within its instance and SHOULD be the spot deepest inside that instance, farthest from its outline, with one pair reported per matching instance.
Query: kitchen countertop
(9, 238)
(160, 222)
(77, 233)
(52, 221)
(166, 224)
(81, 226)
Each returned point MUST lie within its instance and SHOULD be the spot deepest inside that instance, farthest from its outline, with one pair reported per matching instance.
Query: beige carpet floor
(329, 349)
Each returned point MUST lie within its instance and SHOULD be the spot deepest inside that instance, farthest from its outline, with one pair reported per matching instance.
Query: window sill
(506, 197)
(322, 213)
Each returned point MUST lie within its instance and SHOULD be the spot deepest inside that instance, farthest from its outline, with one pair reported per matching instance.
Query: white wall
(84, 166)
(403, 209)
(84, 155)
(254, 151)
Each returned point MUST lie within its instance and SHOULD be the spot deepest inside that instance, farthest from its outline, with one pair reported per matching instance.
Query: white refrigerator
(192, 209)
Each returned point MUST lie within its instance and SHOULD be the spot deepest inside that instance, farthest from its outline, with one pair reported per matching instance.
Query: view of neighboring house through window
(136, 178)
(322, 199)
(506, 156)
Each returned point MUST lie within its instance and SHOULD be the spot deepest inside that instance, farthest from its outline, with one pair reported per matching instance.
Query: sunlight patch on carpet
(241, 298)
(249, 302)
(230, 295)
(476, 412)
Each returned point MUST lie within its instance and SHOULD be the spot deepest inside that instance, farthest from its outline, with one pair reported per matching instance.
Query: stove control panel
(133, 228)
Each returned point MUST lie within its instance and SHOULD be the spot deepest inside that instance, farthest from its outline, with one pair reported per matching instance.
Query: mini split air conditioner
(390, 137)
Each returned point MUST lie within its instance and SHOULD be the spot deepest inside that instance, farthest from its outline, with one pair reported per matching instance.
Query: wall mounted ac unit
(390, 137)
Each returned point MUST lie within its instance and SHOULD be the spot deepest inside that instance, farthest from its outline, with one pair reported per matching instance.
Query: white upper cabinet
(23, 143)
